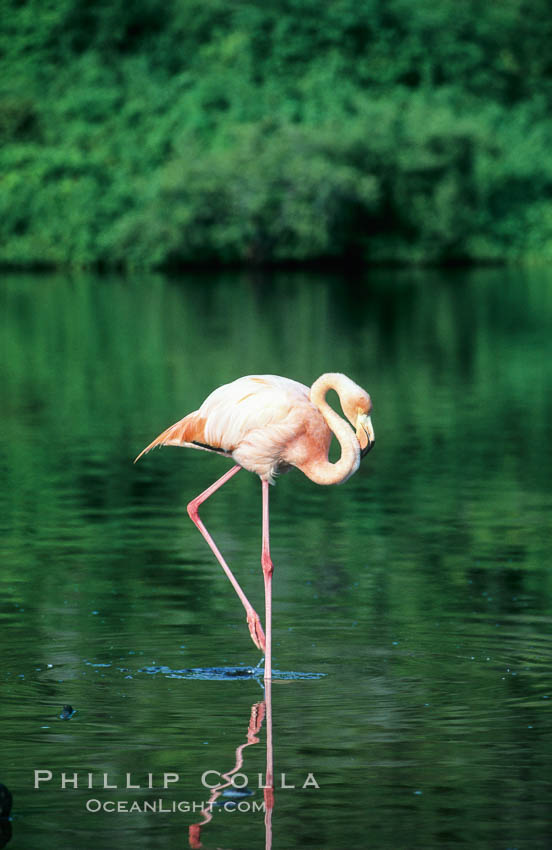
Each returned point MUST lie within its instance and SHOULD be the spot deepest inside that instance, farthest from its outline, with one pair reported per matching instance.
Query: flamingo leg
(268, 569)
(255, 628)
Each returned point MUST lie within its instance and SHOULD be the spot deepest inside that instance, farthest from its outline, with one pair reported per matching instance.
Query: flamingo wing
(250, 419)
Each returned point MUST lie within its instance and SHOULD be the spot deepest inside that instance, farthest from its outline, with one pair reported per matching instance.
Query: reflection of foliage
(458, 463)
(158, 133)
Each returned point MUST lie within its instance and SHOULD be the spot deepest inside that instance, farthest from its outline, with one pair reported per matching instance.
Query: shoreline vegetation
(182, 133)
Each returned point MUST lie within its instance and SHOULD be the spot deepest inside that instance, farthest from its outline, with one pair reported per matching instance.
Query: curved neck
(326, 472)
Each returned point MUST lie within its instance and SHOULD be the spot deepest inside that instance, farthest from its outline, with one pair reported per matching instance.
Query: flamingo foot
(256, 630)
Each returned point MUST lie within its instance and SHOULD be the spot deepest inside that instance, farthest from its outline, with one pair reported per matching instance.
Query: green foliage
(276, 193)
(163, 133)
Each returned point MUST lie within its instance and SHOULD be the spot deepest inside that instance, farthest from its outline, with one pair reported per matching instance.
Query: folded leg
(255, 628)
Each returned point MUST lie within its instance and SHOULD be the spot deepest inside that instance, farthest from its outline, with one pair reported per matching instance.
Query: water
(415, 600)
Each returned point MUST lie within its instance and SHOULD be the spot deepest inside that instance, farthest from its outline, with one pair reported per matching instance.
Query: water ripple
(222, 673)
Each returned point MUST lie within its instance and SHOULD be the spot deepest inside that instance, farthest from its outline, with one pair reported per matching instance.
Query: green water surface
(421, 588)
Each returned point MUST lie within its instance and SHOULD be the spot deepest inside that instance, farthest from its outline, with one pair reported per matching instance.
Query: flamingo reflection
(258, 712)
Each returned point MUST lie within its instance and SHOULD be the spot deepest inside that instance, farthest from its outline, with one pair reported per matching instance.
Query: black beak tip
(368, 448)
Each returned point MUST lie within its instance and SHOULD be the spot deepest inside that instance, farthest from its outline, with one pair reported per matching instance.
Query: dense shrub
(200, 130)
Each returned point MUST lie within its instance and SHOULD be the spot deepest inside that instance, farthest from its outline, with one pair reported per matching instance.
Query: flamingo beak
(365, 434)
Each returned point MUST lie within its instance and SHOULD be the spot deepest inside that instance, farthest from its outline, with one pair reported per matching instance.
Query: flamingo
(267, 424)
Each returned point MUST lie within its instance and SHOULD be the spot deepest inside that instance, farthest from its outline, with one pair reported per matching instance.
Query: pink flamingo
(268, 424)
